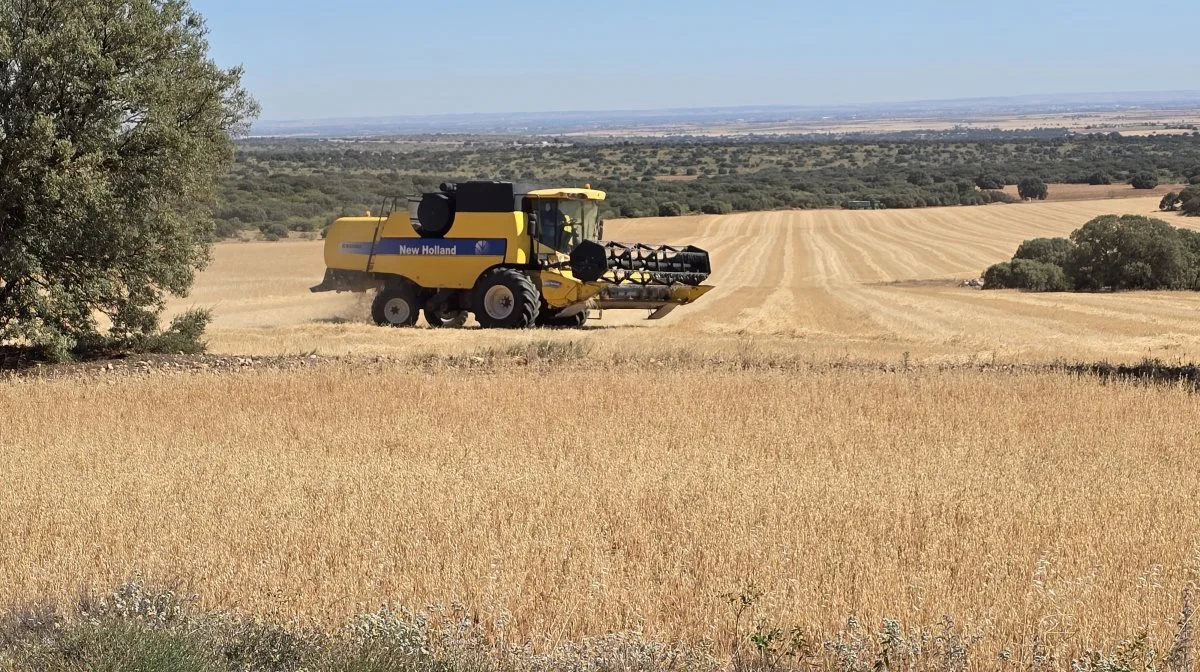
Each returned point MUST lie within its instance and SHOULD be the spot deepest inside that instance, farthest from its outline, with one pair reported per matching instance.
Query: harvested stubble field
(828, 284)
(563, 484)
(1094, 192)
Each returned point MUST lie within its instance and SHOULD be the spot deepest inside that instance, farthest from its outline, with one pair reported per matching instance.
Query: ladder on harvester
(383, 217)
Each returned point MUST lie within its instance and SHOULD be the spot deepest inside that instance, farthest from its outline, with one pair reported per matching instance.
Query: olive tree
(115, 126)
(1130, 252)
(1033, 187)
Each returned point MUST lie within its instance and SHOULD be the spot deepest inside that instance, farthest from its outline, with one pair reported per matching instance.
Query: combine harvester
(515, 257)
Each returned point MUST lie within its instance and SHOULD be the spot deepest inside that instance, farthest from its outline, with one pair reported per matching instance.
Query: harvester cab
(514, 256)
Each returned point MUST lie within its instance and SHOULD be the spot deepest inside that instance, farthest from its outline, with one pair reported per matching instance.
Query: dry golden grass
(582, 500)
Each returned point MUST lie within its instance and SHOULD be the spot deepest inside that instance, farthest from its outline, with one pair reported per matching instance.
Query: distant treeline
(302, 184)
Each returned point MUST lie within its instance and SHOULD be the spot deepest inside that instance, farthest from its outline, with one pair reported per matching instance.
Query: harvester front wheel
(506, 298)
(395, 306)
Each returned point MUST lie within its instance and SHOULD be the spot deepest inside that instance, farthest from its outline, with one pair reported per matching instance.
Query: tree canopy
(115, 126)
(1033, 187)
(1054, 251)
(1129, 252)
(1108, 253)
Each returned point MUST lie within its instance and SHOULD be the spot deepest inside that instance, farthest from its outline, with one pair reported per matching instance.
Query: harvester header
(514, 255)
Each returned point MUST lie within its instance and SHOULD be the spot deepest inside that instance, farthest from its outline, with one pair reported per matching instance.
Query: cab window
(564, 224)
(548, 223)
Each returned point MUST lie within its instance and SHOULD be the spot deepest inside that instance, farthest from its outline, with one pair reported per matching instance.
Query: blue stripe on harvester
(431, 247)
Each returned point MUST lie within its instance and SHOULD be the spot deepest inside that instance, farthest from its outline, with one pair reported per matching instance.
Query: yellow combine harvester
(516, 257)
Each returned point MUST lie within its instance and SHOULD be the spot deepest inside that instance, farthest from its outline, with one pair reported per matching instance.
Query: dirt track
(830, 283)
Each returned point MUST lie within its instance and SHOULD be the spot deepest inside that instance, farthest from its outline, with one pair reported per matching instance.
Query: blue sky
(358, 58)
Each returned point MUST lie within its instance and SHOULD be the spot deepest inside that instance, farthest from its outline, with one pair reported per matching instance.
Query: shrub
(1037, 276)
(1169, 203)
(998, 276)
(184, 335)
(227, 228)
(1027, 274)
(1098, 179)
(1145, 180)
(303, 225)
(1191, 208)
(996, 197)
(1033, 187)
(717, 208)
(670, 209)
(989, 182)
(273, 230)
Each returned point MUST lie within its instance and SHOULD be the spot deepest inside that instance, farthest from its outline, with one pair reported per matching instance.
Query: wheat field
(1027, 507)
(835, 424)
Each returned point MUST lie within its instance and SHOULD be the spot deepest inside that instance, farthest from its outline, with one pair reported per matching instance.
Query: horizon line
(1187, 93)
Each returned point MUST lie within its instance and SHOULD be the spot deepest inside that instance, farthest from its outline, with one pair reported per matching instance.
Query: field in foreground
(831, 284)
(566, 500)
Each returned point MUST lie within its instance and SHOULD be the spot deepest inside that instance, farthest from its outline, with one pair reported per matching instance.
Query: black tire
(575, 321)
(512, 297)
(445, 315)
(395, 306)
(435, 215)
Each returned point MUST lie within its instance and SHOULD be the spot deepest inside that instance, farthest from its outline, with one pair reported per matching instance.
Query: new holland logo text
(428, 250)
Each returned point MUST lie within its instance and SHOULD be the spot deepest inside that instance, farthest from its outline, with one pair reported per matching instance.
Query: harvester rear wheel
(506, 298)
(395, 306)
(445, 315)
